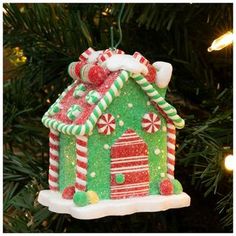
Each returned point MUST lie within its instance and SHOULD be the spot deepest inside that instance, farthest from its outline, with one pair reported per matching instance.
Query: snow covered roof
(76, 112)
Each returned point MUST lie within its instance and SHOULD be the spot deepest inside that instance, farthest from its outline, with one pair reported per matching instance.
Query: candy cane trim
(140, 58)
(81, 163)
(171, 141)
(53, 160)
(84, 56)
(169, 110)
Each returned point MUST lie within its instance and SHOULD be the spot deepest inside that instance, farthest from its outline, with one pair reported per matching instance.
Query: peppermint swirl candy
(151, 122)
(73, 112)
(79, 91)
(55, 108)
(92, 97)
(106, 124)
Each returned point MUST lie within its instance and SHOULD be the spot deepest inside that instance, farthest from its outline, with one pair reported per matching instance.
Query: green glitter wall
(67, 163)
(128, 110)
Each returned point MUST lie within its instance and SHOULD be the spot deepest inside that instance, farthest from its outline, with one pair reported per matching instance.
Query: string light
(107, 11)
(17, 56)
(5, 11)
(221, 42)
(229, 162)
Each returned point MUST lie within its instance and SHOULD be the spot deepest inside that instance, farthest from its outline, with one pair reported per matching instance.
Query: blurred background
(41, 40)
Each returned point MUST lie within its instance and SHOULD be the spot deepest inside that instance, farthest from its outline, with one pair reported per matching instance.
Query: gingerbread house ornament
(112, 139)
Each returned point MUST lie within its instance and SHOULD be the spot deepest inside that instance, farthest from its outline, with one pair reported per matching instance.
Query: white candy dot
(93, 174)
(118, 116)
(106, 146)
(164, 128)
(157, 151)
(158, 167)
(148, 103)
(121, 123)
(130, 105)
(162, 174)
(117, 94)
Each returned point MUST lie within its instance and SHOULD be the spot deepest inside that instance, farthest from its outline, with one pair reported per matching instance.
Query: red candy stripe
(106, 124)
(118, 51)
(139, 57)
(84, 56)
(151, 122)
(171, 140)
(81, 163)
(53, 160)
(103, 57)
(129, 157)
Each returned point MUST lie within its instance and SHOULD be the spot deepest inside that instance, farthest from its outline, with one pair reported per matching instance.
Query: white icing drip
(164, 72)
(125, 62)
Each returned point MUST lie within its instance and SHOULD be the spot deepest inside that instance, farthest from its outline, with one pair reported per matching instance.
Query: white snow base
(56, 203)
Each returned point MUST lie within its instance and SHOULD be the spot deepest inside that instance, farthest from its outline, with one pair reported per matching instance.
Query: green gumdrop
(177, 186)
(56, 109)
(120, 178)
(80, 199)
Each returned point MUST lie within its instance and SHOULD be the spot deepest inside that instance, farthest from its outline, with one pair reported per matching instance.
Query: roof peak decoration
(98, 78)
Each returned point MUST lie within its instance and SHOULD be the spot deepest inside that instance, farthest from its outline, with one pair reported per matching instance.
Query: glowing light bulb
(4, 11)
(221, 42)
(230, 162)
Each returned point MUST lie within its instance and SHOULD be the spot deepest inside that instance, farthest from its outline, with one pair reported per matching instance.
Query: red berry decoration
(166, 187)
(151, 75)
(97, 75)
(68, 192)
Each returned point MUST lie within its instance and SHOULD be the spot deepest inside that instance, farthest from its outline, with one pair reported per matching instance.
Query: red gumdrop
(97, 75)
(68, 192)
(151, 75)
(166, 187)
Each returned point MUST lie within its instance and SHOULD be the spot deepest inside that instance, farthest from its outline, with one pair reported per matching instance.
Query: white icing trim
(164, 72)
(125, 62)
(55, 202)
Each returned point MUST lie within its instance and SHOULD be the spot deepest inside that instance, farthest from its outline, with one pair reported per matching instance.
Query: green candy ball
(177, 186)
(80, 199)
(120, 178)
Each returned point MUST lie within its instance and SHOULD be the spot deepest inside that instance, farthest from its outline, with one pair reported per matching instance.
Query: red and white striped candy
(81, 163)
(103, 57)
(171, 139)
(84, 56)
(53, 160)
(118, 51)
(106, 124)
(139, 57)
(151, 122)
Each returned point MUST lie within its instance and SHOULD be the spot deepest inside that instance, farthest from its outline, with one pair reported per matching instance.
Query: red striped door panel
(129, 157)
